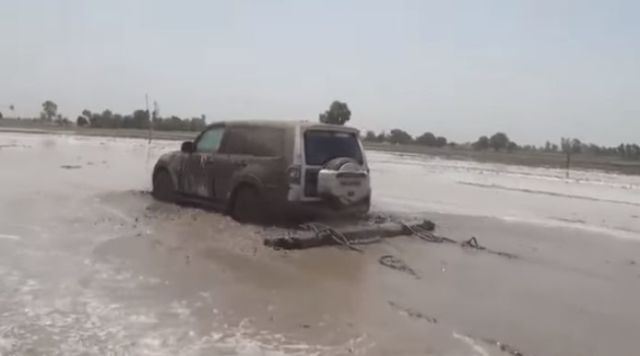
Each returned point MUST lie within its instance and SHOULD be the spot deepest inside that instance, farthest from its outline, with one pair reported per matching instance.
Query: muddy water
(90, 264)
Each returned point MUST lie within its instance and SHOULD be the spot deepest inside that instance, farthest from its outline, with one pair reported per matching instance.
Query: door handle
(207, 160)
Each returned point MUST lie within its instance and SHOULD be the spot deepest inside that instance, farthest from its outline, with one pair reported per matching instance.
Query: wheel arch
(163, 168)
(246, 181)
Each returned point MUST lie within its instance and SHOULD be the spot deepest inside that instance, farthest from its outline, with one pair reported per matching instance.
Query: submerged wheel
(163, 188)
(247, 206)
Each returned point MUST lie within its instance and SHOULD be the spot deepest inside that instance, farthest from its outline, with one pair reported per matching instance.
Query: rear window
(322, 146)
(255, 141)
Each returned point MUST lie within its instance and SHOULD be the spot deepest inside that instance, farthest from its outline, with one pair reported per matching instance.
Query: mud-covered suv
(255, 169)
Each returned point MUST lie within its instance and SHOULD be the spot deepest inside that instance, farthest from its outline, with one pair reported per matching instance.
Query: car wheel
(163, 189)
(247, 206)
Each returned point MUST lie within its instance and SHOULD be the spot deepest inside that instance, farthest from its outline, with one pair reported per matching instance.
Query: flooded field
(91, 264)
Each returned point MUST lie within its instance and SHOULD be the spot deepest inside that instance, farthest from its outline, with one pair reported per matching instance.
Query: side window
(255, 141)
(268, 142)
(235, 141)
(210, 140)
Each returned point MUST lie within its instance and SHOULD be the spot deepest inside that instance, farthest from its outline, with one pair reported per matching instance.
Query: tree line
(337, 114)
(138, 119)
(501, 142)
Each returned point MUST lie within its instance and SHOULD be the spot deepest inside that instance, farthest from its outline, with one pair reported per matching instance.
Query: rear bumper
(287, 206)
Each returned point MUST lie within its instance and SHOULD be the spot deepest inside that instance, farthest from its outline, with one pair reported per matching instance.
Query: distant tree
(512, 146)
(107, 114)
(338, 114)
(141, 119)
(95, 120)
(400, 137)
(499, 141)
(382, 137)
(127, 122)
(1, 117)
(86, 113)
(82, 121)
(370, 136)
(118, 120)
(175, 124)
(198, 124)
(592, 149)
(427, 139)
(482, 143)
(634, 151)
(441, 141)
(568, 145)
(576, 146)
(106, 119)
(49, 110)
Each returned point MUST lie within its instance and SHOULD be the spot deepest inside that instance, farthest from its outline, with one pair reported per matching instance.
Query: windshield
(323, 146)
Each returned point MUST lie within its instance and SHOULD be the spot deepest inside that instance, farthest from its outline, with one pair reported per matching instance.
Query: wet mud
(413, 313)
(397, 264)
(91, 264)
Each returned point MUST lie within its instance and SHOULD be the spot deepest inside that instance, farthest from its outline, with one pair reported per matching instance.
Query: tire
(247, 205)
(163, 188)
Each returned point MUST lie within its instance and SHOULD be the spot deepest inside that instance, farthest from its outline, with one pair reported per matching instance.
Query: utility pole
(155, 115)
(146, 99)
(568, 163)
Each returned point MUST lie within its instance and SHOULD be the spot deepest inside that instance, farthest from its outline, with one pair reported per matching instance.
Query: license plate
(351, 183)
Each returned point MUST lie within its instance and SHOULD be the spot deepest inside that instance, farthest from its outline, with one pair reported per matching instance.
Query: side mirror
(187, 147)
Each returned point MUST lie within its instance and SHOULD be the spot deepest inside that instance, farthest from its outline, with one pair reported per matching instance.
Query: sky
(537, 70)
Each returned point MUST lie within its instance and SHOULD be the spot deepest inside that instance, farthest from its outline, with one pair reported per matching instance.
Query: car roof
(283, 124)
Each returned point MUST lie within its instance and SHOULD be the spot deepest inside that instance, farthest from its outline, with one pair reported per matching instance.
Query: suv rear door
(321, 145)
(250, 150)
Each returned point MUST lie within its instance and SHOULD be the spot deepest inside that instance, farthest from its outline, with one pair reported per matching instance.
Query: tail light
(294, 174)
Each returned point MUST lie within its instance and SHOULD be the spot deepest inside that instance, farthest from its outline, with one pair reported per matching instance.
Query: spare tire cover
(343, 164)
(333, 189)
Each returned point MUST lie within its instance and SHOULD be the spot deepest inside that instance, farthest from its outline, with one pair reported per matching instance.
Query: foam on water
(69, 319)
